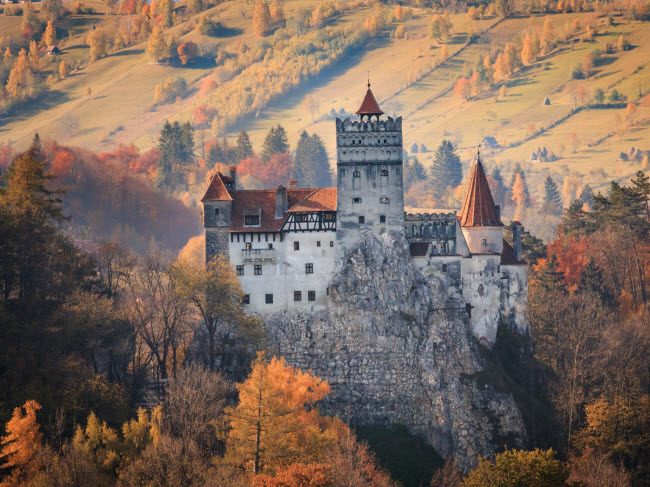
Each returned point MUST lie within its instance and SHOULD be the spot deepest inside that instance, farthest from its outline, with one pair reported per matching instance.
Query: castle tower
(217, 214)
(370, 193)
(480, 218)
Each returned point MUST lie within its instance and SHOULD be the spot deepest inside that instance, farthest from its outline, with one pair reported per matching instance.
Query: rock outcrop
(396, 347)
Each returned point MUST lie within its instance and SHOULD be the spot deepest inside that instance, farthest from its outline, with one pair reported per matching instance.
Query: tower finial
(478, 152)
(368, 79)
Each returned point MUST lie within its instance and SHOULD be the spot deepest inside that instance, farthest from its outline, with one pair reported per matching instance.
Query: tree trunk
(258, 434)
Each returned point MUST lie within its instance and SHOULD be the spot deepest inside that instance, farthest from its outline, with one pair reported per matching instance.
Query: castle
(287, 243)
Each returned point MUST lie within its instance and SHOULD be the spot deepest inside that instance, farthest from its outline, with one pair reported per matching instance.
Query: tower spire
(369, 106)
(479, 209)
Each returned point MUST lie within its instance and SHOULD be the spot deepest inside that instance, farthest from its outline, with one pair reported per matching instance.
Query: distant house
(489, 142)
(53, 51)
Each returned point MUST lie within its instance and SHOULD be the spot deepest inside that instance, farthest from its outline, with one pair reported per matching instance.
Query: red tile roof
(262, 202)
(479, 209)
(508, 256)
(369, 105)
(322, 199)
(217, 190)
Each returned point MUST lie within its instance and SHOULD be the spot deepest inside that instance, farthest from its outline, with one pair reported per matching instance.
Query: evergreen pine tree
(592, 281)
(275, 142)
(244, 146)
(499, 189)
(303, 170)
(446, 170)
(552, 199)
(641, 186)
(414, 172)
(176, 144)
(517, 170)
(323, 171)
(586, 196)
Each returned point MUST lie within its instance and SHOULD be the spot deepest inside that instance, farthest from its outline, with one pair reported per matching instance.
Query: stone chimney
(293, 183)
(233, 176)
(281, 201)
(517, 230)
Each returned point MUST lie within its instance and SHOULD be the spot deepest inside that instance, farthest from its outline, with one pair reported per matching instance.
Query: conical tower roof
(479, 209)
(369, 105)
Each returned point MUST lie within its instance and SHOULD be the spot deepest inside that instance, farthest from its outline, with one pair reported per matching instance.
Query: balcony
(258, 255)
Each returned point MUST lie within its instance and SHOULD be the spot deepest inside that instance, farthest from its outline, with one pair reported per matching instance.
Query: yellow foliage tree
(21, 78)
(262, 23)
(444, 55)
(21, 444)
(630, 112)
(49, 37)
(275, 422)
(528, 50)
(64, 71)
(277, 13)
(157, 47)
(520, 191)
(98, 43)
(399, 13)
(547, 41)
(34, 54)
(98, 443)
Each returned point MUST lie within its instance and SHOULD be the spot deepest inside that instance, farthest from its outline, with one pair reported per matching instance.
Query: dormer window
(251, 220)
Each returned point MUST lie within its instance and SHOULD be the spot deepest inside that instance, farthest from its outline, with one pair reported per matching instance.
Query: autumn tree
(21, 444)
(277, 13)
(64, 71)
(21, 82)
(529, 50)
(262, 22)
(463, 88)
(157, 47)
(441, 26)
(275, 420)
(547, 42)
(446, 170)
(187, 51)
(214, 291)
(49, 37)
(520, 195)
(514, 468)
(587, 65)
(630, 112)
(98, 42)
(166, 9)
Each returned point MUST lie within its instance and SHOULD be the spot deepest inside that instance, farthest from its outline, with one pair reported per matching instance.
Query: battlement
(349, 126)
(446, 215)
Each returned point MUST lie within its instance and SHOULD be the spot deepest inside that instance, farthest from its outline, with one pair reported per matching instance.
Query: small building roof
(479, 209)
(369, 105)
(217, 190)
(322, 199)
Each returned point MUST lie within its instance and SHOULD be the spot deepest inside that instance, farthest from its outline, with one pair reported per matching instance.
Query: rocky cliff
(396, 347)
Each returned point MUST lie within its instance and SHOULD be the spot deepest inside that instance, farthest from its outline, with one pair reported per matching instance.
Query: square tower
(370, 189)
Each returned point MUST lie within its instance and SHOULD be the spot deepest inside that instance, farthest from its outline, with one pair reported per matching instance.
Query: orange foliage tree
(275, 422)
(269, 173)
(22, 443)
(572, 254)
(463, 88)
(187, 51)
(298, 475)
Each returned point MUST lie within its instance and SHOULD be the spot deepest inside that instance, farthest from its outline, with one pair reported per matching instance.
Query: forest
(97, 331)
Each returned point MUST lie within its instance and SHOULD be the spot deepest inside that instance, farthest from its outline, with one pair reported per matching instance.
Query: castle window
(216, 212)
(329, 217)
(302, 218)
(485, 241)
(246, 299)
(318, 243)
(248, 245)
(311, 295)
(362, 219)
(356, 200)
(354, 142)
(444, 267)
(269, 298)
(384, 200)
(296, 246)
(327, 290)
(309, 268)
(356, 174)
(384, 172)
(297, 296)
(468, 308)
(382, 218)
(240, 270)
(257, 270)
(331, 243)
(384, 141)
(270, 246)
(251, 220)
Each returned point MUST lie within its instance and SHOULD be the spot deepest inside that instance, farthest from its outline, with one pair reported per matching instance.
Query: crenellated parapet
(388, 125)
(439, 228)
